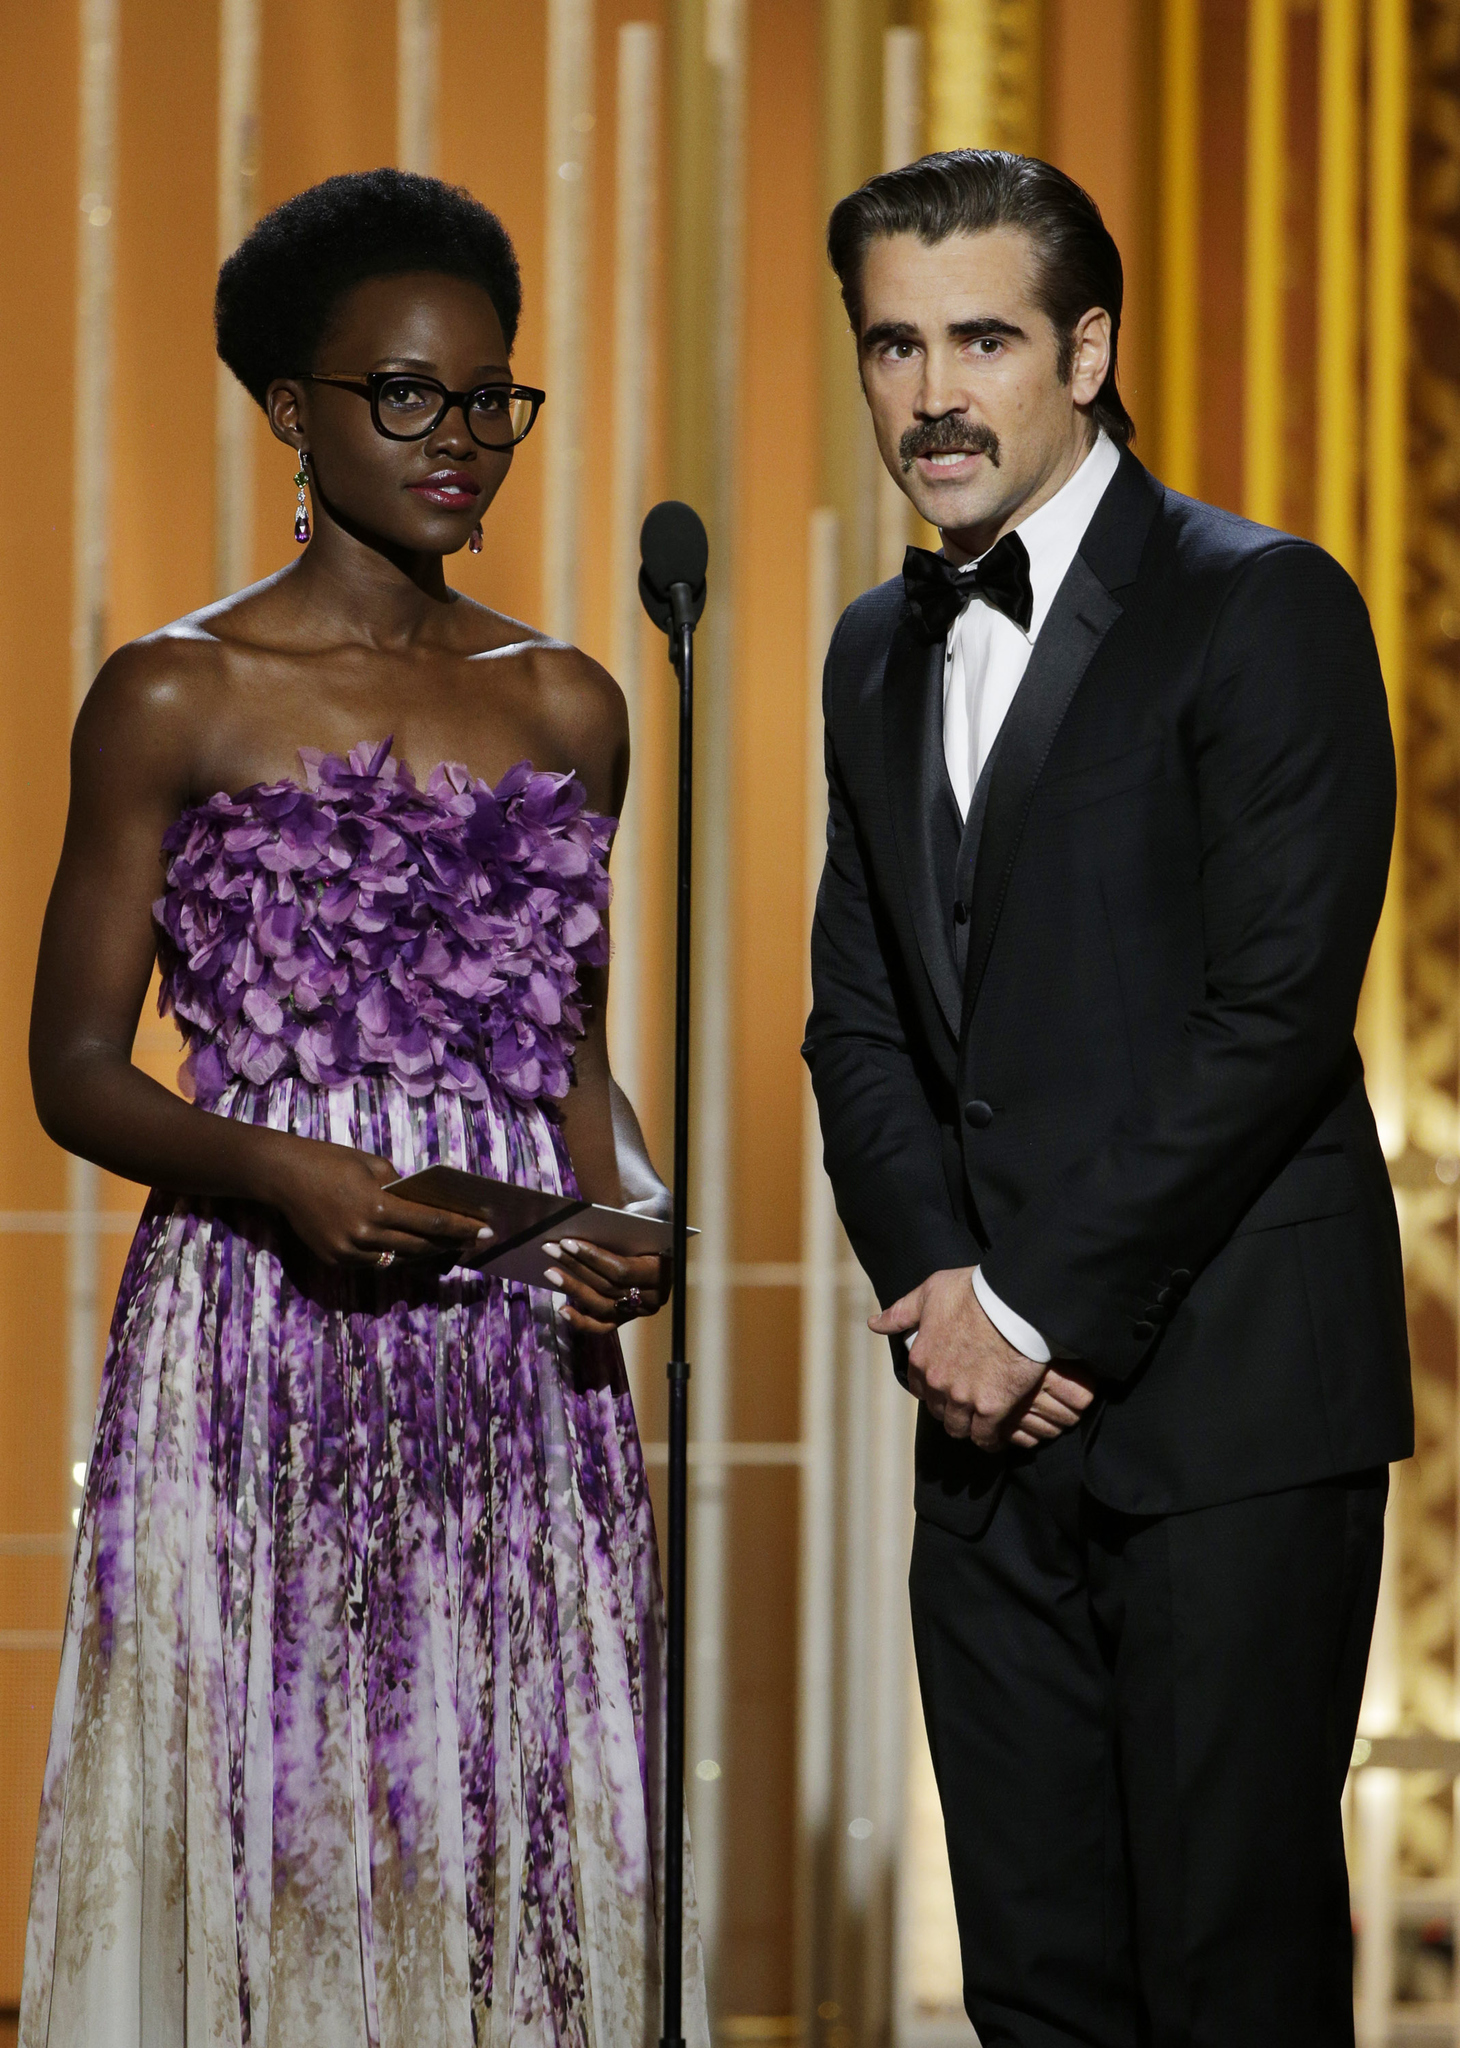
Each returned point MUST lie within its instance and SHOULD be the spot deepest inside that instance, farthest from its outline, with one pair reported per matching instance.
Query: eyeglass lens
(408, 408)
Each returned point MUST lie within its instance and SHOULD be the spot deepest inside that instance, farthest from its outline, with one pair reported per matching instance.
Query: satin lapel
(912, 730)
(1083, 614)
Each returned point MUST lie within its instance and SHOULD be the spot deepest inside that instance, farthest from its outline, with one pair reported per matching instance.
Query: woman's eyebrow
(480, 375)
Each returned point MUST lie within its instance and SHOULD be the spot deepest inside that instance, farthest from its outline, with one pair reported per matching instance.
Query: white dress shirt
(984, 665)
(987, 653)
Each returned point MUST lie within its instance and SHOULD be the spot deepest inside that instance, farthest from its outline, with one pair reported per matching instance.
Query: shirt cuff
(1010, 1325)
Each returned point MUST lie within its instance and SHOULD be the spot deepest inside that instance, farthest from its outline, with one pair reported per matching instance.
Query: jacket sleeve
(1293, 765)
(882, 1141)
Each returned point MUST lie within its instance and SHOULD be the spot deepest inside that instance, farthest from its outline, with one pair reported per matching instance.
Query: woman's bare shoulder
(584, 710)
(573, 699)
(152, 705)
(181, 671)
(157, 676)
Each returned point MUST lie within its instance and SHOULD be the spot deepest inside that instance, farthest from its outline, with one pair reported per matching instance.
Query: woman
(353, 1740)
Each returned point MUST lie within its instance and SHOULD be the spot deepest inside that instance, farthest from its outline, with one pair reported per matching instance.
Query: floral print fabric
(356, 1733)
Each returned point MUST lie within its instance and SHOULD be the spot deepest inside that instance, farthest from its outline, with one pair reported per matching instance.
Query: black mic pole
(682, 643)
(672, 585)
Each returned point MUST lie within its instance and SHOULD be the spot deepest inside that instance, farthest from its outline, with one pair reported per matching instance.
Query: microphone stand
(675, 554)
(681, 642)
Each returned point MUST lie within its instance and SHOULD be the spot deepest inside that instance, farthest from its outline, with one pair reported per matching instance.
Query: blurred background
(1283, 178)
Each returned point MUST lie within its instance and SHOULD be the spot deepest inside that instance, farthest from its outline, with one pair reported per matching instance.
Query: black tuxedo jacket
(1101, 1040)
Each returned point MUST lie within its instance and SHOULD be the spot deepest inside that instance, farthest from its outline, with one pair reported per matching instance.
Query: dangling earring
(475, 543)
(301, 514)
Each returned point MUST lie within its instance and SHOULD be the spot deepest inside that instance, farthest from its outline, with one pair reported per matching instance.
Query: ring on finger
(633, 1301)
(385, 1259)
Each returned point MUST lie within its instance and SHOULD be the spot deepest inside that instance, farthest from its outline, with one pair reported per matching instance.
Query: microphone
(675, 552)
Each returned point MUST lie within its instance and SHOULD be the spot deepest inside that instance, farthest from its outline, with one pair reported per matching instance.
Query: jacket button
(978, 1115)
(1180, 1277)
(1161, 1297)
(1143, 1330)
(960, 913)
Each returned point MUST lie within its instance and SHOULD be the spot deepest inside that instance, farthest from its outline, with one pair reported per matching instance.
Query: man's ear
(1092, 343)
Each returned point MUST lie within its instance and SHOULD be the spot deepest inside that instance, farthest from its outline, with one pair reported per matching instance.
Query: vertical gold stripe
(1018, 73)
(1376, 1804)
(1387, 333)
(1337, 424)
(902, 97)
(820, 1301)
(238, 145)
(91, 508)
(722, 53)
(902, 139)
(1180, 240)
(960, 74)
(95, 267)
(418, 60)
(983, 74)
(851, 150)
(569, 157)
(723, 28)
(1384, 563)
(1376, 1799)
(635, 241)
(1262, 440)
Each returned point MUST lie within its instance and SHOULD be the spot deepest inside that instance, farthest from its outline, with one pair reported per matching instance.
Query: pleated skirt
(356, 1739)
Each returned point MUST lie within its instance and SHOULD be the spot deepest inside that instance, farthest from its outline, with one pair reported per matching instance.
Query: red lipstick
(452, 490)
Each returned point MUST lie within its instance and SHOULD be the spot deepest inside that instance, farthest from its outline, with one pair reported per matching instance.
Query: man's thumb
(903, 1315)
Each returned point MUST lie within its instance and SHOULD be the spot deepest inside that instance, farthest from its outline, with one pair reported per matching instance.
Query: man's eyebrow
(987, 323)
(888, 331)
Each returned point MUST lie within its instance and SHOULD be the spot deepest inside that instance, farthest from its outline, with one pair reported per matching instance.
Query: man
(1111, 802)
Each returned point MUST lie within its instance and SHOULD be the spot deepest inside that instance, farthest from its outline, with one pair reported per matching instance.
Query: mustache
(944, 437)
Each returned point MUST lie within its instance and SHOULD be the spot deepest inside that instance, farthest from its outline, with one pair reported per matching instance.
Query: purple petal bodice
(355, 923)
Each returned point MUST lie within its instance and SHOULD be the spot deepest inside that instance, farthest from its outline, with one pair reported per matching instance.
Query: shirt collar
(1053, 533)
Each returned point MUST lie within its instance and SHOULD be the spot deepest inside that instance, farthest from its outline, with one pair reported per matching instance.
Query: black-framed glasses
(407, 407)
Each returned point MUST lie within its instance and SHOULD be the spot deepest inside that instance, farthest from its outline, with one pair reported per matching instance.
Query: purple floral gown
(354, 1740)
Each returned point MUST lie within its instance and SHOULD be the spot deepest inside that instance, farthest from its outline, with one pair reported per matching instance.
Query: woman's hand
(335, 1200)
(604, 1291)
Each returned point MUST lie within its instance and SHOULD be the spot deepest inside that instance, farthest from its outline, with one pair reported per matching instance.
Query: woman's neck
(369, 592)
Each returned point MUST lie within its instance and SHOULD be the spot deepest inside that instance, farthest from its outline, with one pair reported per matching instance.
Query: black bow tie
(936, 592)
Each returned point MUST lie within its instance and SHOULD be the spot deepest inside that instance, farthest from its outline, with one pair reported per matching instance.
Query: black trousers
(1140, 1729)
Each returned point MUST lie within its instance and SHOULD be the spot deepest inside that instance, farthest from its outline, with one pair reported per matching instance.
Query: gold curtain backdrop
(1283, 177)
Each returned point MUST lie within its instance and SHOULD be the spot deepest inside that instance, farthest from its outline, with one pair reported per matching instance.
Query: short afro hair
(280, 289)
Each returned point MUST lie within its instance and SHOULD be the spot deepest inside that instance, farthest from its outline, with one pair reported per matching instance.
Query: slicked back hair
(967, 192)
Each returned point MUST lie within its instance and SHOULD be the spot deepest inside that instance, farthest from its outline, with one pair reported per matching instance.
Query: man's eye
(989, 344)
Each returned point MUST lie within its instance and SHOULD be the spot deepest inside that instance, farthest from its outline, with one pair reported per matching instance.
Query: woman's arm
(605, 1142)
(612, 1165)
(131, 775)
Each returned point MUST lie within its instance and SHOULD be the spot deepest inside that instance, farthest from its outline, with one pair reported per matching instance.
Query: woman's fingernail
(485, 1232)
(572, 1247)
(563, 1313)
(554, 1251)
(552, 1274)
